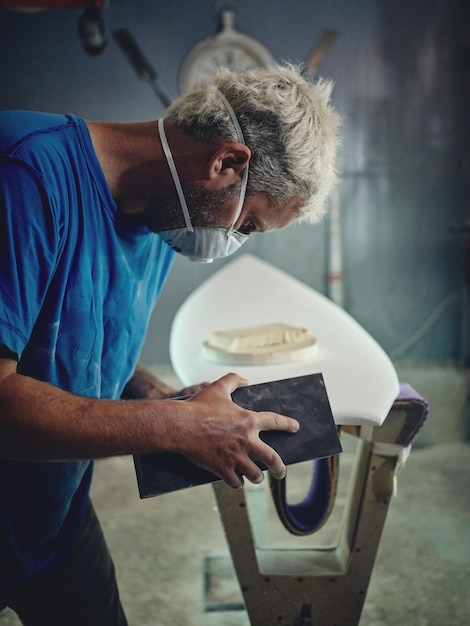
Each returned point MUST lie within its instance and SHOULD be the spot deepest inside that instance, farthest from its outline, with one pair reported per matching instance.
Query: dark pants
(81, 591)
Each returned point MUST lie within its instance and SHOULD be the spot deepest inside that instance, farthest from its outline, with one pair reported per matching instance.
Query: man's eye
(248, 228)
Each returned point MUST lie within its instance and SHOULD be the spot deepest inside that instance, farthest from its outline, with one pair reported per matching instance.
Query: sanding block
(303, 398)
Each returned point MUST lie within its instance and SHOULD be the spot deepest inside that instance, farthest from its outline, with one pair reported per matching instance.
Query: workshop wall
(402, 74)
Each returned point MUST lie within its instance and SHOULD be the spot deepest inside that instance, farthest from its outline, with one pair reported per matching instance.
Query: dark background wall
(402, 74)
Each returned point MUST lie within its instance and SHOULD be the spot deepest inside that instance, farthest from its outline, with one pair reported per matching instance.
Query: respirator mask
(204, 243)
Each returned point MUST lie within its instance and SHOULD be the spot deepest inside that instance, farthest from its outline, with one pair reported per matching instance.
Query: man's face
(217, 208)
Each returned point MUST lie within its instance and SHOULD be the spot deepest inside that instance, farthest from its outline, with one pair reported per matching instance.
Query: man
(91, 216)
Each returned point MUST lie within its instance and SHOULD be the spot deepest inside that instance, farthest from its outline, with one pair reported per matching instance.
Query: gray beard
(203, 207)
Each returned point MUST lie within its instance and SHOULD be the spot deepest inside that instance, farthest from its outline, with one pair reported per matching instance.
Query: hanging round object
(228, 48)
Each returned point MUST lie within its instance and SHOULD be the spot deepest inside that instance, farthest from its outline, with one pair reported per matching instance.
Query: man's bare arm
(41, 422)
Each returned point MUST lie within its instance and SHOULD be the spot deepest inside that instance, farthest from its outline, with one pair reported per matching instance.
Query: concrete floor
(162, 546)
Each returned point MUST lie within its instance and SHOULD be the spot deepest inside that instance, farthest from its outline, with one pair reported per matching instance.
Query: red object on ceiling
(50, 4)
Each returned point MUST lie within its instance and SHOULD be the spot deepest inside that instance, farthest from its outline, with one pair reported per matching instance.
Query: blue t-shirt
(78, 281)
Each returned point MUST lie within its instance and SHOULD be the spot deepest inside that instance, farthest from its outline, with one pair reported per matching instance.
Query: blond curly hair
(287, 122)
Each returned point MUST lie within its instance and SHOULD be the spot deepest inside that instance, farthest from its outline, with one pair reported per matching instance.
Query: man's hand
(224, 438)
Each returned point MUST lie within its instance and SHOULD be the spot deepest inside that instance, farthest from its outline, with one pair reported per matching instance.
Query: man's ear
(227, 163)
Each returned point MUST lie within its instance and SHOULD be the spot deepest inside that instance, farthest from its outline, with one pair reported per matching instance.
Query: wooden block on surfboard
(265, 344)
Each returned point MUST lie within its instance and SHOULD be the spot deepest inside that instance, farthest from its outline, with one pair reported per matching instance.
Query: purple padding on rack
(408, 394)
(309, 514)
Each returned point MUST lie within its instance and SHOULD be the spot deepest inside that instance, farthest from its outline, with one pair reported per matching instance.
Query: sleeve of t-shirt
(29, 241)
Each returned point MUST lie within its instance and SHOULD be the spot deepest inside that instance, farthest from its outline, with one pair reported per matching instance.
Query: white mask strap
(174, 173)
(241, 139)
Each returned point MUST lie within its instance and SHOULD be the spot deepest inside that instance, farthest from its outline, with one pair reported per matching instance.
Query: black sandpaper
(303, 398)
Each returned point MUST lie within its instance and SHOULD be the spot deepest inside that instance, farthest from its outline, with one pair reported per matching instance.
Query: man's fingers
(275, 421)
(252, 472)
(263, 453)
(268, 457)
(221, 389)
(233, 479)
(232, 381)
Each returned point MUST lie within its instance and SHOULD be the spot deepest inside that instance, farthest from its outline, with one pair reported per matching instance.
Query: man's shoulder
(18, 126)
